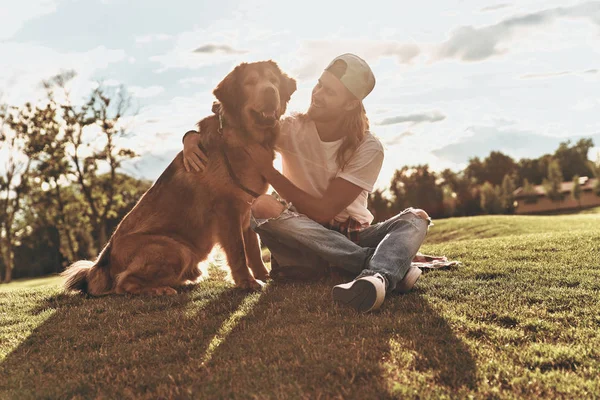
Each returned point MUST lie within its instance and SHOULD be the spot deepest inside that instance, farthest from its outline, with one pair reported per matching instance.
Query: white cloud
(155, 37)
(144, 92)
(546, 75)
(469, 43)
(495, 7)
(24, 66)
(193, 81)
(314, 54)
(416, 118)
(13, 14)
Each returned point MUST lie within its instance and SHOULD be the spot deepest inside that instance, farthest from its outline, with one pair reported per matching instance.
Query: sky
(455, 78)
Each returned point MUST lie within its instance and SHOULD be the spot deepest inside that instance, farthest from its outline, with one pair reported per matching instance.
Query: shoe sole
(361, 296)
(409, 281)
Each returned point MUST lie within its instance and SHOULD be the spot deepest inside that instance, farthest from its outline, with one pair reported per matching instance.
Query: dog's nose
(271, 96)
(270, 91)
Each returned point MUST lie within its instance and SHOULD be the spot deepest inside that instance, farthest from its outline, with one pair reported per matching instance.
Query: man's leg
(396, 242)
(278, 225)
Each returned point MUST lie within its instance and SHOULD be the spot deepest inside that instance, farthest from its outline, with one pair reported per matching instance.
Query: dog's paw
(250, 284)
(263, 277)
(163, 291)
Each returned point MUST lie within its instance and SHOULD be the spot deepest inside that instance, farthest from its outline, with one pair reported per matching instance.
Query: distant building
(538, 202)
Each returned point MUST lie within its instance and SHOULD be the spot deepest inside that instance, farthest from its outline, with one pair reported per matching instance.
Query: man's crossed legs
(380, 259)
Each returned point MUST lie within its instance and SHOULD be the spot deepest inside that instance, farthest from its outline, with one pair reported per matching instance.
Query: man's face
(330, 99)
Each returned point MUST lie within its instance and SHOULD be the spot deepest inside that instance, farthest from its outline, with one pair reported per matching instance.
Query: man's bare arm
(339, 194)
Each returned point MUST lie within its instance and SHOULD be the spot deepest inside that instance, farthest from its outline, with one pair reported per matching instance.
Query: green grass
(519, 319)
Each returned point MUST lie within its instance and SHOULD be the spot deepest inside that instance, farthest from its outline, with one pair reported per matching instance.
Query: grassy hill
(519, 318)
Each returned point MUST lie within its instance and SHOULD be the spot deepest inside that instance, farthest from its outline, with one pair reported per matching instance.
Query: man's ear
(228, 90)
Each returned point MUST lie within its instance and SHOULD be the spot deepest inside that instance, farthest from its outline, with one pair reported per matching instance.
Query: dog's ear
(228, 90)
(288, 87)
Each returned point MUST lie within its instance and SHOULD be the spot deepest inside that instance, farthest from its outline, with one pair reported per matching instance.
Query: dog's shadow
(215, 341)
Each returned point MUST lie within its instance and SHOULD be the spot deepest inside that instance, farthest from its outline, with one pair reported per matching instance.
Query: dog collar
(220, 130)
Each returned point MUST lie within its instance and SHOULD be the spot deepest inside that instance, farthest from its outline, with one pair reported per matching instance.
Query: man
(330, 163)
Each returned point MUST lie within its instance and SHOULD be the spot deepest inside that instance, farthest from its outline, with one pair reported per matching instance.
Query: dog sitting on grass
(176, 223)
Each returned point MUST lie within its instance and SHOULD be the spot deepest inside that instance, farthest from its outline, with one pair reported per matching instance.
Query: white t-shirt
(310, 164)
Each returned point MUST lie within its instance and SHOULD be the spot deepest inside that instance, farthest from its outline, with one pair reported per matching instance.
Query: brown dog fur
(176, 223)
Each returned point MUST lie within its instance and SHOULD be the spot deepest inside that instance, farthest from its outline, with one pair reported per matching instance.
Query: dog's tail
(89, 277)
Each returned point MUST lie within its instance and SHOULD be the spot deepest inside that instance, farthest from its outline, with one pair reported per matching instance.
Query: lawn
(520, 318)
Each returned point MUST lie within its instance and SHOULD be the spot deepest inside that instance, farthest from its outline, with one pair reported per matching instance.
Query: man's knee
(265, 207)
(421, 213)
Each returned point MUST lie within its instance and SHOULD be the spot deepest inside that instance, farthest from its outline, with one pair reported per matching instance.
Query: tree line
(486, 186)
(63, 189)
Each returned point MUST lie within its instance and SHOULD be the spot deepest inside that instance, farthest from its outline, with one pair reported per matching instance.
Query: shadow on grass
(215, 342)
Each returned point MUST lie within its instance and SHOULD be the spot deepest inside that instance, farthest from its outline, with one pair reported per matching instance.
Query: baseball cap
(354, 73)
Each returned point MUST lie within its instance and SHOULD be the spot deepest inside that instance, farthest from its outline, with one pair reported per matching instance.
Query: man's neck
(330, 131)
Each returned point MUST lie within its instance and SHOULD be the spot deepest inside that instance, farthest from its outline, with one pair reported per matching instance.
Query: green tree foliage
(534, 170)
(507, 198)
(573, 159)
(417, 187)
(553, 183)
(465, 192)
(15, 125)
(90, 136)
(380, 206)
(529, 192)
(490, 199)
(492, 169)
(61, 179)
(576, 190)
(595, 167)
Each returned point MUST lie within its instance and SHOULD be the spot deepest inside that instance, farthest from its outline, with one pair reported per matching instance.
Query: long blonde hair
(356, 124)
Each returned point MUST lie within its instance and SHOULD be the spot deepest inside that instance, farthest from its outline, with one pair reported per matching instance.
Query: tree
(553, 184)
(490, 199)
(417, 187)
(380, 206)
(595, 167)
(15, 124)
(46, 147)
(497, 166)
(534, 170)
(573, 159)
(91, 136)
(465, 190)
(529, 192)
(475, 170)
(508, 198)
(492, 169)
(576, 190)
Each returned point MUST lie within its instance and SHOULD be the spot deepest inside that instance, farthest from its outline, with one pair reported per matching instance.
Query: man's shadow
(215, 341)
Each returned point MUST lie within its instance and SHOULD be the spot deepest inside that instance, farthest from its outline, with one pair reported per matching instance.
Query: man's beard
(325, 114)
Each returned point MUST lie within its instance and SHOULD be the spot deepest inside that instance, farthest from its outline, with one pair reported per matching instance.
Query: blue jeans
(386, 248)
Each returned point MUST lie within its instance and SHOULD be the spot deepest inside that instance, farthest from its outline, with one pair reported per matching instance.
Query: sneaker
(408, 282)
(363, 294)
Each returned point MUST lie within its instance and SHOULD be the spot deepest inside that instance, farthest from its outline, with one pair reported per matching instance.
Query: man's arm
(339, 194)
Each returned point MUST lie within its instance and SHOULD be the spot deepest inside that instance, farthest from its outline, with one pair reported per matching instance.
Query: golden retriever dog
(176, 223)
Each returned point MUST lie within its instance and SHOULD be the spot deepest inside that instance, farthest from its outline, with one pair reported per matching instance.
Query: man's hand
(261, 158)
(193, 157)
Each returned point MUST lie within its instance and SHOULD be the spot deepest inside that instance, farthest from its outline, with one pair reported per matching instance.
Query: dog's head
(256, 95)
